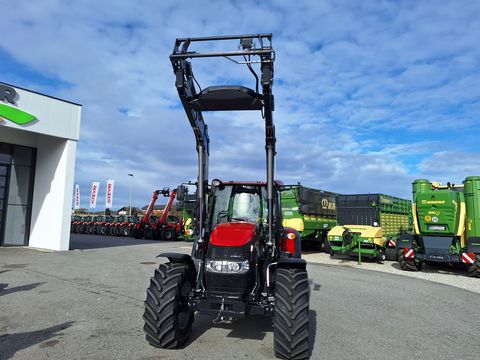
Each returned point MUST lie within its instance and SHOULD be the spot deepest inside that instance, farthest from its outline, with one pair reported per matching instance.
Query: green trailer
(446, 223)
(311, 212)
(391, 213)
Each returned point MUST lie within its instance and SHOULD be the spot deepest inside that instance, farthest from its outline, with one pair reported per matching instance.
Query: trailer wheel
(408, 264)
(168, 321)
(326, 247)
(290, 324)
(391, 254)
(474, 269)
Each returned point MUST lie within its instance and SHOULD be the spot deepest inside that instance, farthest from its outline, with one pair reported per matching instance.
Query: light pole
(131, 189)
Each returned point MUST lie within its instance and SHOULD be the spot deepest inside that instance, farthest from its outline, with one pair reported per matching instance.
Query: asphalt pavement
(88, 304)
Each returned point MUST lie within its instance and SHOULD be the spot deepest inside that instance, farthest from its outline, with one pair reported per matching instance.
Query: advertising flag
(77, 196)
(93, 195)
(109, 194)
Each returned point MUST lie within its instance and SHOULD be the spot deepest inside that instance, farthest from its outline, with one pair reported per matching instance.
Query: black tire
(168, 234)
(125, 231)
(290, 321)
(102, 230)
(168, 322)
(408, 264)
(137, 233)
(326, 247)
(92, 230)
(391, 254)
(149, 234)
(115, 230)
(474, 269)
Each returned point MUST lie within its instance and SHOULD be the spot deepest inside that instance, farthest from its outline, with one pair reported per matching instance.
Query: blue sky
(369, 95)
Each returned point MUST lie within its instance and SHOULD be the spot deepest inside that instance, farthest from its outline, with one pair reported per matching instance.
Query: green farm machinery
(446, 221)
(360, 240)
(391, 213)
(311, 212)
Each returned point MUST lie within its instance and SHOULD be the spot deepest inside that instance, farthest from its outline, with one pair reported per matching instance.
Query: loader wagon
(311, 212)
(446, 221)
(391, 213)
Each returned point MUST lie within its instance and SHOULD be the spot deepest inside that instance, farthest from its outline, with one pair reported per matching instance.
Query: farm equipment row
(120, 225)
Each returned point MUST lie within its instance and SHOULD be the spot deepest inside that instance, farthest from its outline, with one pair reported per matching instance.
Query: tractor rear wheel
(290, 322)
(474, 269)
(391, 254)
(408, 264)
(168, 320)
(137, 233)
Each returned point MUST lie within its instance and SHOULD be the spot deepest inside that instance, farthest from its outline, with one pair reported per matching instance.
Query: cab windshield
(239, 203)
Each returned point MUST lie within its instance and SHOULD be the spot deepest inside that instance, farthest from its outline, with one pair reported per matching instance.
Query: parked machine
(311, 212)
(446, 222)
(159, 228)
(390, 213)
(243, 260)
(358, 240)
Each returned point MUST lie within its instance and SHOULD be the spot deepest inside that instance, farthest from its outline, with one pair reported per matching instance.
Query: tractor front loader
(243, 260)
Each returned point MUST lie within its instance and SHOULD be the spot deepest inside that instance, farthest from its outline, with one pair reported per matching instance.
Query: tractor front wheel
(474, 269)
(168, 234)
(290, 322)
(408, 264)
(168, 320)
(125, 231)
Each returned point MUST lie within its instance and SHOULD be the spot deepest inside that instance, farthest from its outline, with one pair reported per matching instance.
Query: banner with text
(77, 196)
(109, 194)
(93, 195)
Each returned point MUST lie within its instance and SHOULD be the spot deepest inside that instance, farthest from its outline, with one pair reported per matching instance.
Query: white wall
(52, 195)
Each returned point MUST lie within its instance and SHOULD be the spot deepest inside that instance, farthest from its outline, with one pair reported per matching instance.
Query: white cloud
(365, 91)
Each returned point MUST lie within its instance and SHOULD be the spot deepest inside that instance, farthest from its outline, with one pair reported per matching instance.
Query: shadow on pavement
(252, 327)
(440, 268)
(5, 290)
(85, 242)
(11, 343)
(312, 329)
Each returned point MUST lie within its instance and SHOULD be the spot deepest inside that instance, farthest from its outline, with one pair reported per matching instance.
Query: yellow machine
(361, 240)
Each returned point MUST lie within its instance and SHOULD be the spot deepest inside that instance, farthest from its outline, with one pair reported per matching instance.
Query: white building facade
(38, 141)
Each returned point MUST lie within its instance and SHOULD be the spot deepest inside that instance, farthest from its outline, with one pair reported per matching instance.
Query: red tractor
(157, 228)
(243, 261)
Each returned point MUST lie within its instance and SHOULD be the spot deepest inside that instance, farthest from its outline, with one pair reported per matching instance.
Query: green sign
(11, 113)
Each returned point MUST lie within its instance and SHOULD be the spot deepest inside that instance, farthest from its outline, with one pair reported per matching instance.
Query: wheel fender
(405, 241)
(181, 258)
(291, 263)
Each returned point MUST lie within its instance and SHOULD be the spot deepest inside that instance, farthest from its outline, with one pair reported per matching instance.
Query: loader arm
(163, 219)
(226, 98)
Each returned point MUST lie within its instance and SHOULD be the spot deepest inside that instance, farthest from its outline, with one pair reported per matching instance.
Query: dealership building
(38, 141)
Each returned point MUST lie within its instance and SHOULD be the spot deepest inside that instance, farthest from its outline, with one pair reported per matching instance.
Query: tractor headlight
(228, 267)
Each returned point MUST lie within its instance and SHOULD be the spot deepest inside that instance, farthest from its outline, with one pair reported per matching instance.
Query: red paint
(288, 245)
(232, 234)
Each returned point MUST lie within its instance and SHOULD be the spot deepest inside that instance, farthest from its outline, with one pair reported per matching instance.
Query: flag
(93, 195)
(77, 196)
(109, 194)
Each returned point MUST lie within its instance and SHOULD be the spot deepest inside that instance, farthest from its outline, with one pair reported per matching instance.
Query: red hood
(232, 234)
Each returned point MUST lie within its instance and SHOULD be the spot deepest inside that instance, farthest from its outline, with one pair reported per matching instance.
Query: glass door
(4, 170)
